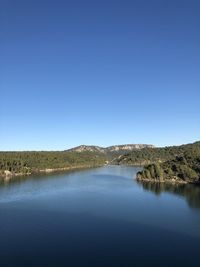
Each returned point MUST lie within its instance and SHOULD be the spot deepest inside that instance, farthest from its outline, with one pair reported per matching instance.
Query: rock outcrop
(110, 149)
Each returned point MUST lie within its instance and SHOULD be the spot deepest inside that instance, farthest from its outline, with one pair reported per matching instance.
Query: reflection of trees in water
(12, 180)
(190, 192)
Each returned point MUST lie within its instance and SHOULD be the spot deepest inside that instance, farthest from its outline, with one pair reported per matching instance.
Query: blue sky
(99, 72)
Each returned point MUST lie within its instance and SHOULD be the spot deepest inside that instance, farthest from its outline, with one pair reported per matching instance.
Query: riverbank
(143, 176)
(167, 181)
(7, 175)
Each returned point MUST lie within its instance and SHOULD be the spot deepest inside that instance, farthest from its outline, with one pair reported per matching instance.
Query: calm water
(99, 217)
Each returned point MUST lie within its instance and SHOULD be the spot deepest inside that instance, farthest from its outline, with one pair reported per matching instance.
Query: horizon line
(23, 150)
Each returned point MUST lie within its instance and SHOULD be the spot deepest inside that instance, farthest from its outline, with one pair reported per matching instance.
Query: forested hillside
(35, 161)
(29, 162)
(151, 155)
(175, 163)
(184, 166)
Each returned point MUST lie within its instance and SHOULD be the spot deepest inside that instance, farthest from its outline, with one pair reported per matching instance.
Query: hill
(117, 149)
(173, 164)
(28, 162)
(182, 167)
(149, 155)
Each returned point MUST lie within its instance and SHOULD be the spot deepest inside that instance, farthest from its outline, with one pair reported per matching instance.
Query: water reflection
(190, 192)
(11, 181)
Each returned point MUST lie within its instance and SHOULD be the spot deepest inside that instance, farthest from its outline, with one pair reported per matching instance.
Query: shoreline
(7, 175)
(166, 181)
(172, 181)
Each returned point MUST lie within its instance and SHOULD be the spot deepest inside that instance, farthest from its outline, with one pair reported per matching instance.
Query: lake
(98, 217)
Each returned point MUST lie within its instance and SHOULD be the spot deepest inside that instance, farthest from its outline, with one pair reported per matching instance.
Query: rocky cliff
(110, 149)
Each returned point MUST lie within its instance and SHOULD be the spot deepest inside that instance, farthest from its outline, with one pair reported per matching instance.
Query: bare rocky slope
(110, 149)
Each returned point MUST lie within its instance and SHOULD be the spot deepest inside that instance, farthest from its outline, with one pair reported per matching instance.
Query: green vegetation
(152, 171)
(175, 163)
(184, 166)
(32, 162)
(150, 155)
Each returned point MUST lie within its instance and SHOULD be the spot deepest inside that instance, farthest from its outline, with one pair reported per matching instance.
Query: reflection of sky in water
(108, 192)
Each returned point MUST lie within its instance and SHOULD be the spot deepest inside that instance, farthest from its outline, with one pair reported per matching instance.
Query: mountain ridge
(109, 149)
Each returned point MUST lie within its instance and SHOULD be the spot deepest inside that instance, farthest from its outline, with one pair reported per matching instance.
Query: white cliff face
(128, 147)
(117, 148)
(84, 148)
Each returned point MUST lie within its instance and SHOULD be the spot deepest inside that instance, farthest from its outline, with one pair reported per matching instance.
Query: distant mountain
(111, 149)
(84, 148)
(129, 147)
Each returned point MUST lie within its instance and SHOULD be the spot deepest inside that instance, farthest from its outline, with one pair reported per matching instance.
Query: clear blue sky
(98, 72)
